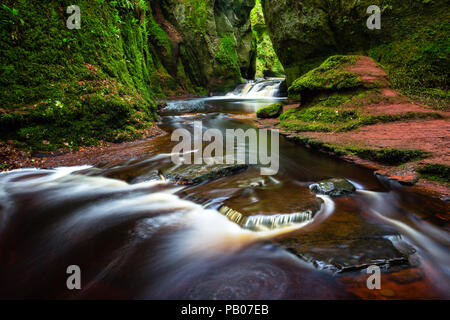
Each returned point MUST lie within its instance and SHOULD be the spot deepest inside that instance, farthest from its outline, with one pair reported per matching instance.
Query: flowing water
(243, 236)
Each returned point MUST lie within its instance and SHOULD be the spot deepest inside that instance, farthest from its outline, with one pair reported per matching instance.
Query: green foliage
(159, 36)
(11, 16)
(52, 125)
(257, 16)
(226, 52)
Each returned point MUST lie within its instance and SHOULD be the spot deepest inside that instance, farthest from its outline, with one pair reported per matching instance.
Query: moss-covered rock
(267, 62)
(337, 96)
(271, 111)
(412, 44)
(196, 174)
(329, 76)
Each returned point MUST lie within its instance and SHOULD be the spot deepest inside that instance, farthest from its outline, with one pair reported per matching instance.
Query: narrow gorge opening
(267, 62)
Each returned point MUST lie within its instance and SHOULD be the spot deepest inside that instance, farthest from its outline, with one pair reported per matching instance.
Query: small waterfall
(263, 223)
(257, 89)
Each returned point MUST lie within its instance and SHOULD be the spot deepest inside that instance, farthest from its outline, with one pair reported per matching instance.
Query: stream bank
(347, 108)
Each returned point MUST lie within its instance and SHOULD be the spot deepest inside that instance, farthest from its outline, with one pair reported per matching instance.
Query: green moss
(417, 61)
(389, 156)
(303, 127)
(226, 61)
(353, 98)
(436, 172)
(326, 119)
(197, 15)
(226, 53)
(329, 76)
(412, 45)
(334, 100)
(385, 118)
(52, 125)
(320, 114)
(159, 37)
(271, 111)
(61, 87)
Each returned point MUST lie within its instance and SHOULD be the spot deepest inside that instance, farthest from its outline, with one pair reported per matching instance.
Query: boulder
(334, 187)
(271, 111)
(195, 174)
(349, 255)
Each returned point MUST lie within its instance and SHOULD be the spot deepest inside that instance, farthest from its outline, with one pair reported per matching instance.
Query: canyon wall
(412, 43)
(62, 87)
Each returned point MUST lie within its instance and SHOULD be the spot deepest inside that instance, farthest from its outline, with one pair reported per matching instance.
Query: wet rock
(266, 222)
(405, 174)
(348, 255)
(161, 105)
(334, 187)
(264, 199)
(348, 240)
(196, 174)
(200, 33)
(258, 208)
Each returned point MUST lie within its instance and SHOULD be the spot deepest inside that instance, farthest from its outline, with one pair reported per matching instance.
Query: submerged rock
(266, 222)
(199, 173)
(334, 187)
(348, 241)
(260, 208)
(351, 254)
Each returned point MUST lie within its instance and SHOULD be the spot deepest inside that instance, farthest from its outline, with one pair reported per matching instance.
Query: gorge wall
(65, 88)
(412, 43)
(212, 38)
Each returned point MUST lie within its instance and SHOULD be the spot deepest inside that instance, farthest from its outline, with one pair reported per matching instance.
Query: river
(137, 237)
